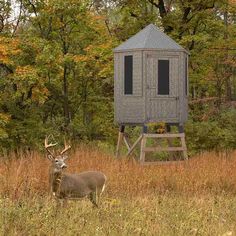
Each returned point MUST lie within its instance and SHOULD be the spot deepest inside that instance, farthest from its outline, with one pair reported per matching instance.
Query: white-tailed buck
(65, 186)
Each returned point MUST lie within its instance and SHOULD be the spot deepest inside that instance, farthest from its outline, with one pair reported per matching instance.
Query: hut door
(162, 80)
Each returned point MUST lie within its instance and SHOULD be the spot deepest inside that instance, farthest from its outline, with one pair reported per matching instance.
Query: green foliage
(218, 133)
(56, 66)
(3, 122)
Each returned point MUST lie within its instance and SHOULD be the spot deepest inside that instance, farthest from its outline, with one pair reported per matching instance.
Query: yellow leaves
(68, 58)
(4, 118)
(40, 94)
(98, 24)
(8, 48)
(24, 69)
(26, 78)
(98, 17)
(94, 17)
(97, 62)
(96, 21)
(59, 6)
(25, 72)
(105, 71)
(157, 127)
(80, 58)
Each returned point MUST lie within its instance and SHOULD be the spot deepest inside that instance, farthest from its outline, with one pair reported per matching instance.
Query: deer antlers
(66, 148)
(47, 146)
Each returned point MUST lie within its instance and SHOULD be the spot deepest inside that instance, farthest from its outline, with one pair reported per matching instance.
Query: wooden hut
(151, 80)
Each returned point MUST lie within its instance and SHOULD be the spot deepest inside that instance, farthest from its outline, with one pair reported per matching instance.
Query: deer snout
(64, 166)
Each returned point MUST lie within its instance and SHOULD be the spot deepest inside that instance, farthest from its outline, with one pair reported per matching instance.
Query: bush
(218, 133)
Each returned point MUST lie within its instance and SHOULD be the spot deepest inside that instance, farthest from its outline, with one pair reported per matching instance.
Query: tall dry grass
(27, 174)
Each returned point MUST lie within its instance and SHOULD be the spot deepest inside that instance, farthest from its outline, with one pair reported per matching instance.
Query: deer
(67, 186)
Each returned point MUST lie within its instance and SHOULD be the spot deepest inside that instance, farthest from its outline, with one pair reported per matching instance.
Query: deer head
(58, 161)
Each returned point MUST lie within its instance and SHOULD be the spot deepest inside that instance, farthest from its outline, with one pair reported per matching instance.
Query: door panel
(162, 107)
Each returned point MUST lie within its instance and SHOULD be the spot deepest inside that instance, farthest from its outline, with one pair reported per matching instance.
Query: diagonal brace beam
(130, 149)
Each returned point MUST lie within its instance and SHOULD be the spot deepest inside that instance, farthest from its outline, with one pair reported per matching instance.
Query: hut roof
(149, 38)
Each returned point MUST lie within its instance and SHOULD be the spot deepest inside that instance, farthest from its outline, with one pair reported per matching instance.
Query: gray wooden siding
(116, 86)
(183, 98)
(181, 87)
(184, 106)
(145, 104)
(129, 108)
(162, 109)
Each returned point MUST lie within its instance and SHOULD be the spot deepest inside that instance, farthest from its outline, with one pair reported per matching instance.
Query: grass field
(192, 198)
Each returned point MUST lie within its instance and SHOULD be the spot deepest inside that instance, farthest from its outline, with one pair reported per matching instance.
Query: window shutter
(163, 77)
(128, 75)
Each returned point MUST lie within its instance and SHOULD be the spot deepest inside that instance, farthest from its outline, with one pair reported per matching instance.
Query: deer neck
(55, 182)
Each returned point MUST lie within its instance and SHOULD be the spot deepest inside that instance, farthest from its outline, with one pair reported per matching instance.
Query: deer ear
(65, 157)
(50, 157)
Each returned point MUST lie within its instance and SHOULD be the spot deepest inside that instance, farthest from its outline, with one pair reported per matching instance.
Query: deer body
(74, 186)
(71, 186)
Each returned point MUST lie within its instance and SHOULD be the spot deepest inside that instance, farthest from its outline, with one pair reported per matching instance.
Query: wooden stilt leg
(169, 141)
(120, 137)
(184, 148)
(143, 145)
(183, 143)
(142, 151)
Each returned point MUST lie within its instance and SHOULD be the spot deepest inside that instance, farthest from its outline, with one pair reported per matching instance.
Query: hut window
(163, 77)
(186, 76)
(128, 70)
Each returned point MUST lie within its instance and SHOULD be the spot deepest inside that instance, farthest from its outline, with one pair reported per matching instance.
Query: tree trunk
(227, 80)
(163, 13)
(65, 97)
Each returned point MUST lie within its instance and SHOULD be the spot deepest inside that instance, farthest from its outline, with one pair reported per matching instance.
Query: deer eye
(56, 160)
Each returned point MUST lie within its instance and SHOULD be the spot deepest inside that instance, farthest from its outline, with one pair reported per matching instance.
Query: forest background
(56, 67)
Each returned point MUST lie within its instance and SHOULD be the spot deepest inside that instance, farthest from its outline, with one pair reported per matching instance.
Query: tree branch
(1, 23)
(108, 28)
(7, 68)
(36, 14)
(163, 13)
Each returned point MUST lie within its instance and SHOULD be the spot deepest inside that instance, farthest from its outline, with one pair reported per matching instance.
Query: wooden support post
(142, 151)
(168, 128)
(181, 128)
(145, 129)
(185, 155)
(120, 137)
(143, 145)
(169, 141)
(183, 143)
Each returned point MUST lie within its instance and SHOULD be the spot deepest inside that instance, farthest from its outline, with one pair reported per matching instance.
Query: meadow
(196, 197)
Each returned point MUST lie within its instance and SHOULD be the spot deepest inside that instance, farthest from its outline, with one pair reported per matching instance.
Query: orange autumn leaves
(8, 49)
(28, 79)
